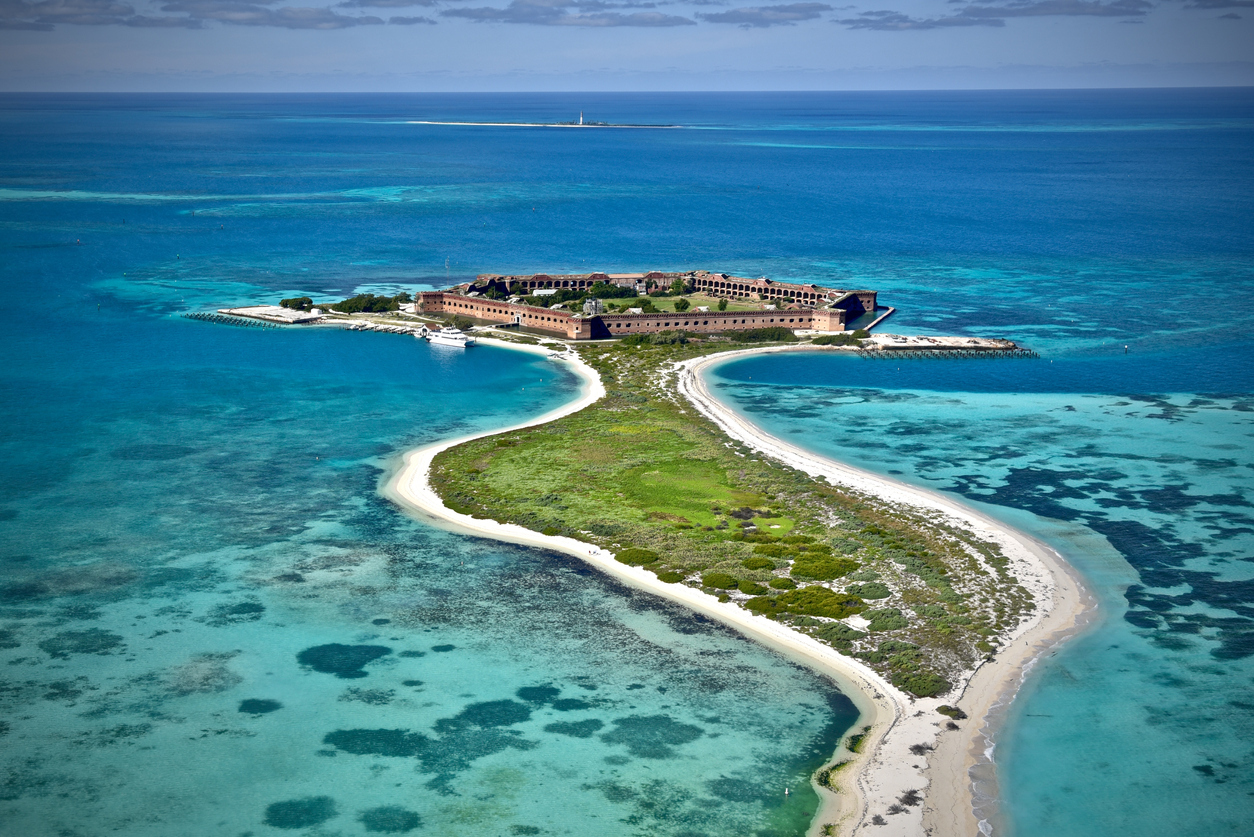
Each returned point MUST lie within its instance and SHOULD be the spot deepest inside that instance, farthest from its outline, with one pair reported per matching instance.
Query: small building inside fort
(498, 298)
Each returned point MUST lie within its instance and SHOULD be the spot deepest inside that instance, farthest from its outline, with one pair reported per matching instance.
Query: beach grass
(640, 474)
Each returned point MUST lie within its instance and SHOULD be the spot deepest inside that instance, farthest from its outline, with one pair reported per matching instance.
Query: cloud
(242, 13)
(886, 21)
(557, 13)
(1230, 16)
(44, 15)
(16, 14)
(383, 4)
(410, 21)
(995, 14)
(1060, 8)
(1220, 4)
(145, 22)
(760, 17)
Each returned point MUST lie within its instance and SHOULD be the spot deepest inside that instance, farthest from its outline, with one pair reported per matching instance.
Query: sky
(609, 45)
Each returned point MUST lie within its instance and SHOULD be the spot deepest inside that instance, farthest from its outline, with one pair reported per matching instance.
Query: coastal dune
(885, 770)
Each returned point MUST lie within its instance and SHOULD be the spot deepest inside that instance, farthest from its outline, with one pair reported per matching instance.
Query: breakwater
(226, 319)
(945, 354)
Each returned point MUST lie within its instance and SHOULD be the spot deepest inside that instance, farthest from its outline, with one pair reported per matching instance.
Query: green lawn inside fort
(643, 475)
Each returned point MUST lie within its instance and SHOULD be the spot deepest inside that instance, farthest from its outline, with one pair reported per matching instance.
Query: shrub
(775, 550)
(720, 581)
(758, 563)
(808, 601)
(822, 567)
(682, 305)
(921, 684)
(870, 590)
(636, 557)
(366, 303)
(952, 712)
(670, 577)
(783, 584)
(886, 619)
(751, 588)
(600, 290)
(840, 636)
(795, 539)
(842, 339)
(300, 303)
(770, 334)
(662, 338)
(669, 338)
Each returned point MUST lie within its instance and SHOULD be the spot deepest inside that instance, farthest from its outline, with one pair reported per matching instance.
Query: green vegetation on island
(360, 304)
(641, 474)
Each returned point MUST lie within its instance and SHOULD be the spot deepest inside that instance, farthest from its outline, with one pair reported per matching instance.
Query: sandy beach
(1064, 607)
(885, 769)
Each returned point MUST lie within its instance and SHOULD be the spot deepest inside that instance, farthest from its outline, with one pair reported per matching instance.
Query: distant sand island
(581, 123)
(925, 613)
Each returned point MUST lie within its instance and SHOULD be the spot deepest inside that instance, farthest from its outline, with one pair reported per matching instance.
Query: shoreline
(884, 769)
(1065, 608)
(877, 701)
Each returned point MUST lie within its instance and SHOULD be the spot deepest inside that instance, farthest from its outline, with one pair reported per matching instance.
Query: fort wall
(564, 323)
(817, 308)
(620, 325)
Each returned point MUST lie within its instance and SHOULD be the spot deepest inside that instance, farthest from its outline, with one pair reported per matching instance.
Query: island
(924, 612)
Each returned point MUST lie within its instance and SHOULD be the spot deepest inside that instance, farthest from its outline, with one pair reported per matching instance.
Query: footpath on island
(925, 613)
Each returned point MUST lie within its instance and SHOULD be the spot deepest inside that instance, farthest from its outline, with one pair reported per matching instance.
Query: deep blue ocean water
(212, 623)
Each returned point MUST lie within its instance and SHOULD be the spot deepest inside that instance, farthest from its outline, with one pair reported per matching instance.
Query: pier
(226, 319)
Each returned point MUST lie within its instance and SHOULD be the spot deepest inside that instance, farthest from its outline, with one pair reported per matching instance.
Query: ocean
(211, 622)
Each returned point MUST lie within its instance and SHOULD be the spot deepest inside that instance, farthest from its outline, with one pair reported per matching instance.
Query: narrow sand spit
(885, 769)
(943, 775)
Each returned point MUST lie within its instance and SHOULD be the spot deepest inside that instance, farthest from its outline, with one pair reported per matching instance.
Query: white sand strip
(1063, 608)
(885, 770)
(877, 701)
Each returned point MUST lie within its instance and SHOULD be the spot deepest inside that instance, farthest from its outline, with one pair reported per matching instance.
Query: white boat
(450, 336)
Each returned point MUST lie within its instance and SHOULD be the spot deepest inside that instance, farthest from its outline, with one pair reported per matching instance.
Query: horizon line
(703, 91)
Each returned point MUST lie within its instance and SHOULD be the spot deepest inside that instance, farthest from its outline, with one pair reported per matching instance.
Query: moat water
(212, 623)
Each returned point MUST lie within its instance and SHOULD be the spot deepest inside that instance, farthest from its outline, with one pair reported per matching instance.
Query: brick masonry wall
(566, 324)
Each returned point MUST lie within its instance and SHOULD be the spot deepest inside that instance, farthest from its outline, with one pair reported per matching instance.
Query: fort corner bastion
(498, 298)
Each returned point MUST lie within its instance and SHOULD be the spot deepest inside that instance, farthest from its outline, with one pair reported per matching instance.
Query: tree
(682, 304)
(300, 303)
(722, 305)
(677, 287)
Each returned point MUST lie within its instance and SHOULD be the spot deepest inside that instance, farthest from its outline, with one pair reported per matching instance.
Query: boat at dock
(449, 336)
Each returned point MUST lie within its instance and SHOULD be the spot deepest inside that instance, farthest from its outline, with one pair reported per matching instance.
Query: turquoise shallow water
(210, 622)
(1142, 725)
